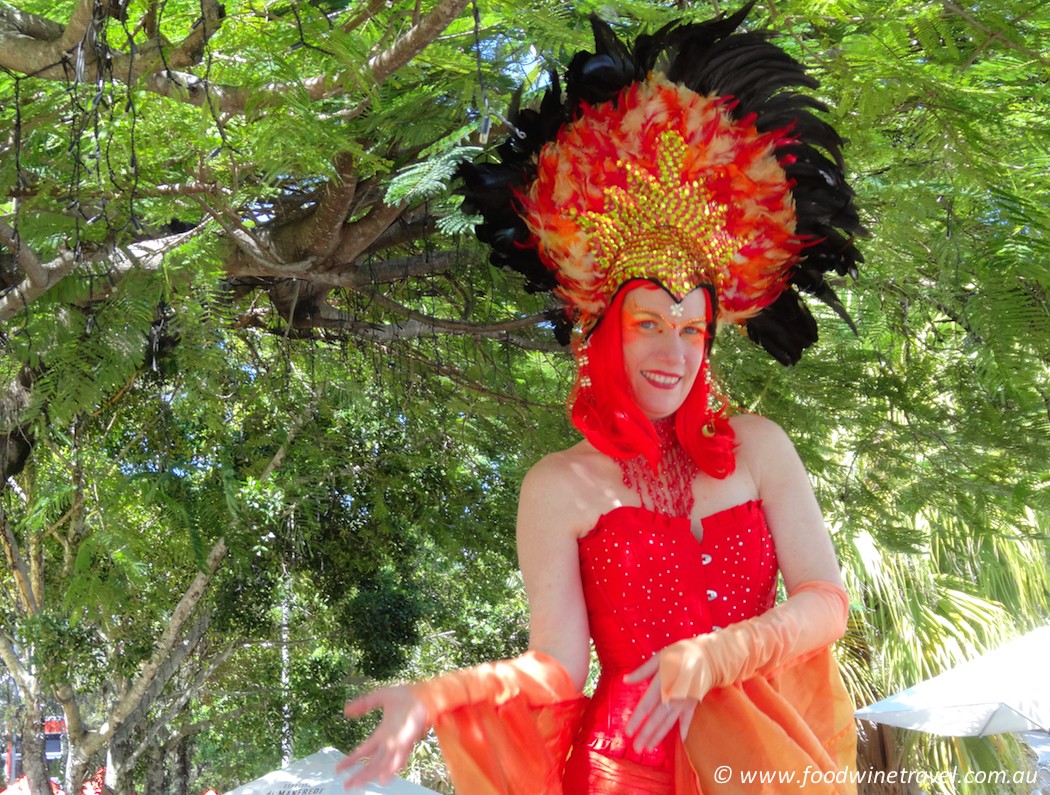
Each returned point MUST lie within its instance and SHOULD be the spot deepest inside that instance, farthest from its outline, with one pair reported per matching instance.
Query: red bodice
(649, 582)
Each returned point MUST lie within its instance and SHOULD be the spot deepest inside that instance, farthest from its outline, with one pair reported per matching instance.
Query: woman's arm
(803, 546)
(551, 509)
(813, 616)
(558, 635)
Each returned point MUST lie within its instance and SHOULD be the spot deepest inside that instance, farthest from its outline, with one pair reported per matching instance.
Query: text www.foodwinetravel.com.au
(724, 774)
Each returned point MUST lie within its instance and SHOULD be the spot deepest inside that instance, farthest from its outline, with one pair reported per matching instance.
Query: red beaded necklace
(668, 487)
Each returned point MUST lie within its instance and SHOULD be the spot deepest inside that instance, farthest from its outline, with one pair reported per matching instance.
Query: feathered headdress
(689, 160)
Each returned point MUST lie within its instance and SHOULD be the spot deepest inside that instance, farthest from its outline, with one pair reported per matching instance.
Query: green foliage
(384, 615)
(63, 651)
(429, 177)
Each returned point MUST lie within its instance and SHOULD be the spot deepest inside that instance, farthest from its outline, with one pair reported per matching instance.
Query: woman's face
(664, 344)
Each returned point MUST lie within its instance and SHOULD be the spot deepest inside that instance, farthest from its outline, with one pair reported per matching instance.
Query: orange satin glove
(537, 677)
(812, 617)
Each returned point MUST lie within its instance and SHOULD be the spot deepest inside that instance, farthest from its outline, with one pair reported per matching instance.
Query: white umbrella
(316, 775)
(1005, 690)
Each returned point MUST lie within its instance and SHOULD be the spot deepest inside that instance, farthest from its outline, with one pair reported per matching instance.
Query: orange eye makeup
(640, 317)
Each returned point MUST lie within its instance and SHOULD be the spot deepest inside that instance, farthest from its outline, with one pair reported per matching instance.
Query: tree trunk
(877, 751)
(33, 763)
(155, 769)
(118, 776)
(287, 752)
(76, 769)
(181, 774)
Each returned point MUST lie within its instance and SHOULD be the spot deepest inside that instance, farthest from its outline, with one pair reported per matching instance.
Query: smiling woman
(660, 208)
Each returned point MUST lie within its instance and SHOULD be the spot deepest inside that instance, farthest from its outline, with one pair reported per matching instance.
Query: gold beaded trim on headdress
(659, 228)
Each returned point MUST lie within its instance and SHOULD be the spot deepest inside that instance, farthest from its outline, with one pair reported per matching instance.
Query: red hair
(604, 411)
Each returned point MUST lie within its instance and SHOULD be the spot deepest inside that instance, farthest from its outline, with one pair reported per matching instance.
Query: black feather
(785, 328)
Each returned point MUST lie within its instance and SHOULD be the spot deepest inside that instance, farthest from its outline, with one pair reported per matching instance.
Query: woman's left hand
(652, 719)
(404, 723)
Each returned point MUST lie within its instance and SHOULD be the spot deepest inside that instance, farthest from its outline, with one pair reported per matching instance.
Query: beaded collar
(667, 488)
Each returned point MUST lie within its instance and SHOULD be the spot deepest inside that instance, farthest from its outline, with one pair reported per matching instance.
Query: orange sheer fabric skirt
(767, 734)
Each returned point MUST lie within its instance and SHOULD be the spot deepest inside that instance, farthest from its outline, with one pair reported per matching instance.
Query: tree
(105, 293)
(244, 339)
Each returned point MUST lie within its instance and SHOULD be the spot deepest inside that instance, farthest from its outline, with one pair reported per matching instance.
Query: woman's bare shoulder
(758, 436)
(572, 486)
(574, 467)
(763, 449)
(752, 425)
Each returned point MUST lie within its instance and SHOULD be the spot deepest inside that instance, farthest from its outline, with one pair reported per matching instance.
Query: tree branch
(146, 255)
(416, 39)
(329, 318)
(187, 87)
(38, 47)
(327, 222)
(251, 245)
(17, 565)
(461, 326)
(363, 15)
(168, 669)
(393, 270)
(76, 28)
(32, 25)
(183, 189)
(387, 271)
(993, 35)
(408, 228)
(67, 697)
(293, 432)
(458, 377)
(364, 276)
(182, 613)
(27, 259)
(22, 295)
(158, 55)
(360, 235)
(24, 679)
(167, 719)
(48, 59)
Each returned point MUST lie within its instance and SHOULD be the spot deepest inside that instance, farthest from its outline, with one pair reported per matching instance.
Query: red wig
(604, 410)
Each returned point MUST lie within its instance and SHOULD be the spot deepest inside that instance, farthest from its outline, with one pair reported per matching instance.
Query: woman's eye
(691, 330)
(647, 324)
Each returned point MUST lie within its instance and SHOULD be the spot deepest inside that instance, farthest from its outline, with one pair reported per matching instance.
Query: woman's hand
(404, 724)
(652, 720)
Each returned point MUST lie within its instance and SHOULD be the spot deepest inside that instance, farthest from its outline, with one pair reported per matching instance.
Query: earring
(708, 429)
(582, 361)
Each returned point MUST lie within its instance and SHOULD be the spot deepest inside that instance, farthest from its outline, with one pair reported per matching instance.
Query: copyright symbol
(723, 773)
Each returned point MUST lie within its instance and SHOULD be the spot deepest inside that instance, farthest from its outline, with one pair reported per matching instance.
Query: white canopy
(1005, 690)
(316, 775)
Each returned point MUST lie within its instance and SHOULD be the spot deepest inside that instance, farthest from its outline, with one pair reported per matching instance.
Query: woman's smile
(662, 380)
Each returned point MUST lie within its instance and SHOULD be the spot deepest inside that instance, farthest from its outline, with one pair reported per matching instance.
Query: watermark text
(932, 781)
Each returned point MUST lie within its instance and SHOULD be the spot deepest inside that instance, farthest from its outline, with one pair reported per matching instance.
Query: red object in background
(96, 784)
(54, 729)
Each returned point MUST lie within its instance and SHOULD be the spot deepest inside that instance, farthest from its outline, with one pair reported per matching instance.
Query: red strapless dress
(649, 582)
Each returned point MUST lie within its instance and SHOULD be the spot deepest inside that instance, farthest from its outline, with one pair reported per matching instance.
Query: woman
(676, 189)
